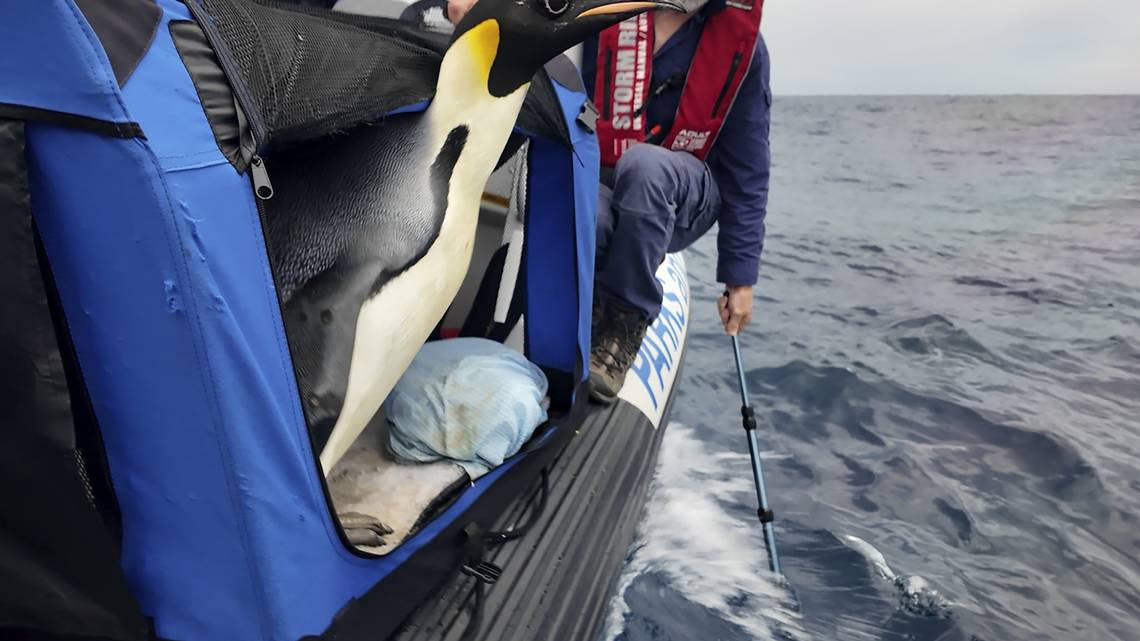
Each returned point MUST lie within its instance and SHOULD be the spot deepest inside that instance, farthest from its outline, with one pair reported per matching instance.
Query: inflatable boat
(159, 468)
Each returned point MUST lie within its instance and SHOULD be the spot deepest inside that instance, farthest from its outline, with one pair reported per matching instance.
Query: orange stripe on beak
(618, 7)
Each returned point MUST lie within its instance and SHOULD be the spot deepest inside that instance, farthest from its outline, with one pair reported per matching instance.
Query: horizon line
(956, 95)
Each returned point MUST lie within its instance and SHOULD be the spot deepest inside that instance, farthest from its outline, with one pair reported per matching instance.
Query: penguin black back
(349, 214)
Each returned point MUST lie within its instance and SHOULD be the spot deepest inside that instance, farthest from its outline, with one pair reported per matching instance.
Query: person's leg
(605, 230)
(661, 201)
(605, 226)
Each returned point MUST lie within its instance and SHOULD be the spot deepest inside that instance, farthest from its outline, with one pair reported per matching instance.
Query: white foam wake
(711, 557)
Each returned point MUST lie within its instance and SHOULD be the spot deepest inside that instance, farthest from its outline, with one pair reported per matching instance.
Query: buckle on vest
(588, 116)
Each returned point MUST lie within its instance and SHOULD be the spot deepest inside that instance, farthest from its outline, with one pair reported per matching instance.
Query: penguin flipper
(351, 214)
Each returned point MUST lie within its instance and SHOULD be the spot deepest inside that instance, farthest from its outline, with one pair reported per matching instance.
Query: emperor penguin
(371, 233)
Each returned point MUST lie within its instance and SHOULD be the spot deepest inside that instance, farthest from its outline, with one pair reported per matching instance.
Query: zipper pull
(261, 185)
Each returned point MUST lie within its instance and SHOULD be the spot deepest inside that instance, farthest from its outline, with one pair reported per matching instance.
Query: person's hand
(735, 307)
(456, 9)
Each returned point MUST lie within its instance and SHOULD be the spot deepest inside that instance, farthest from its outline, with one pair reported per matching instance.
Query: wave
(1040, 295)
(871, 411)
(1033, 294)
(977, 281)
(712, 558)
(876, 271)
(935, 335)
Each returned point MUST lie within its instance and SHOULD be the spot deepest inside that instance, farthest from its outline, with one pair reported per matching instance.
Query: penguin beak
(627, 7)
(535, 31)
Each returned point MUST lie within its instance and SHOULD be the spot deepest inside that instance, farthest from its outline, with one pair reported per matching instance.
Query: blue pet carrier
(158, 428)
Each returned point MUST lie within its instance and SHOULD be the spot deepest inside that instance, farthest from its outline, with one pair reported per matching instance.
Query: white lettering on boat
(654, 372)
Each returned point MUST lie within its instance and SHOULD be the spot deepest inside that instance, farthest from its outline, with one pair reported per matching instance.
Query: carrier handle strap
(484, 572)
(518, 531)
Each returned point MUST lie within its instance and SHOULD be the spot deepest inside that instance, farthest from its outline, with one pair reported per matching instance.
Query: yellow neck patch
(481, 44)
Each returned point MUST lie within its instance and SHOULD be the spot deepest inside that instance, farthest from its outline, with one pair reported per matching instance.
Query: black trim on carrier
(86, 123)
(125, 28)
(59, 571)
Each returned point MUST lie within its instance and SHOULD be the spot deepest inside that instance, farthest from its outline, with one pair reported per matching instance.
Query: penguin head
(518, 37)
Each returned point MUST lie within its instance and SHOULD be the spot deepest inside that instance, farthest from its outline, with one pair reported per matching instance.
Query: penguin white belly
(393, 325)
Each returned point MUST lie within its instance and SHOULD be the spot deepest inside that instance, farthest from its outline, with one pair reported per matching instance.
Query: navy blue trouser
(662, 201)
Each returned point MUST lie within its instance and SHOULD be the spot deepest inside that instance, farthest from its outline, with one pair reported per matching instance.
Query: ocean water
(945, 361)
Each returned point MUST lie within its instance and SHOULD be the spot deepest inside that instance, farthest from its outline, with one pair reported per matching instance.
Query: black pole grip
(749, 417)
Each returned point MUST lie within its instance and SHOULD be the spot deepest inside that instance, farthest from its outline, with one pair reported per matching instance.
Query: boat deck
(558, 579)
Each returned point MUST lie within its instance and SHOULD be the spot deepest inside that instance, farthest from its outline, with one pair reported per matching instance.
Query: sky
(953, 46)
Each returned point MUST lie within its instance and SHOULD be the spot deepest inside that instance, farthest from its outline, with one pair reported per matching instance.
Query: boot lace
(622, 342)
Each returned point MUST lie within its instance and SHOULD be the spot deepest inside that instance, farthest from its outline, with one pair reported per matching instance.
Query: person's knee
(644, 163)
(645, 170)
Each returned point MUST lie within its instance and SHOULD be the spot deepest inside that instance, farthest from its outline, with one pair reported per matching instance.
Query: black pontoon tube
(749, 419)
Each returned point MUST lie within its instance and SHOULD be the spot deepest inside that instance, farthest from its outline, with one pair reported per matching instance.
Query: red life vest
(624, 70)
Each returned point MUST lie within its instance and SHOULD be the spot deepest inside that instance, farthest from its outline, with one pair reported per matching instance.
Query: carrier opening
(380, 495)
(352, 187)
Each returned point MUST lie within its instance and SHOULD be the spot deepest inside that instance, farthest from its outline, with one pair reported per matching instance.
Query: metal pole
(749, 420)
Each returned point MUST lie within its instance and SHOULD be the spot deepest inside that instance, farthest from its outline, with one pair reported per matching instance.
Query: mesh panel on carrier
(302, 73)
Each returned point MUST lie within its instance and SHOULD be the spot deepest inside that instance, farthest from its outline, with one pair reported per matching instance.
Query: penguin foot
(363, 530)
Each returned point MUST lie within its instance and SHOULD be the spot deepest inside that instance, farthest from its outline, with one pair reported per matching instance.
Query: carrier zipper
(263, 191)
(262, 188)
(727, 83)
(232, 71)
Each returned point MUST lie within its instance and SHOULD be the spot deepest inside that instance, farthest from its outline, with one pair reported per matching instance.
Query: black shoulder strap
(481, 320)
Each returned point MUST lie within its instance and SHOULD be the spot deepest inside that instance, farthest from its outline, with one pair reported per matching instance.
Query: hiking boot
(617, 337)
